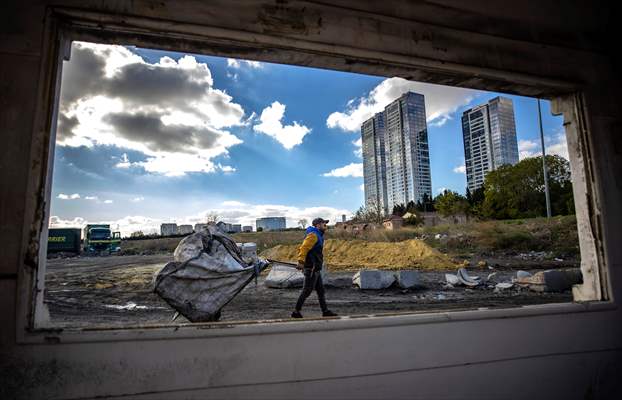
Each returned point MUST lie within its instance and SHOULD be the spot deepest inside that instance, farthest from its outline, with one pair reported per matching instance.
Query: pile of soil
(343, 255)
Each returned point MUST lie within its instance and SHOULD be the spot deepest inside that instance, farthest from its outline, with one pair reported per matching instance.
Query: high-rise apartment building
(489, 136)
(374, 165)
(396, 158)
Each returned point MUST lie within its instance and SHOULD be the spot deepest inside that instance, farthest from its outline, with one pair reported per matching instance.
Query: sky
(146, 137)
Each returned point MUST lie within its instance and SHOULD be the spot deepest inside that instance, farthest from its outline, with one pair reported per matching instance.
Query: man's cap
(318, 221)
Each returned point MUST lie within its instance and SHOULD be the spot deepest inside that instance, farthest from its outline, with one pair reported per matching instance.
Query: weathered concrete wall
(531, 48)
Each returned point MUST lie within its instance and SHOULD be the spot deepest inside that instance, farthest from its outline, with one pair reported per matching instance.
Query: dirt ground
(117, 291)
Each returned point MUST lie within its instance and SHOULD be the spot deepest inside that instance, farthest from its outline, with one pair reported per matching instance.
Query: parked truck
(64, 240)
(98, 238)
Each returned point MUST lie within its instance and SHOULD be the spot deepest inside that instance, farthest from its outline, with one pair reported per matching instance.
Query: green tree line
(509, 192)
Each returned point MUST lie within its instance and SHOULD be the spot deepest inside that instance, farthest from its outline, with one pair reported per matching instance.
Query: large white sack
(218, 259)
(209, 273)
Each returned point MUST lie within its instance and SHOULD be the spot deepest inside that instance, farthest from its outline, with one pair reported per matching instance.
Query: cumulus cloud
(233, 63)
(362, 187)
(64, 196)
(358, 147)
(440, 102)
(137, 199)
(441, 190)
(270, 123)
(351, 170)
(108, 201)
(91, 198)
(461, 169)
(168, 110)
(555, 144)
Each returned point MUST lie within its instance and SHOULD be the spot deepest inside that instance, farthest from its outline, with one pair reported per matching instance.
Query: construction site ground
(117, 291)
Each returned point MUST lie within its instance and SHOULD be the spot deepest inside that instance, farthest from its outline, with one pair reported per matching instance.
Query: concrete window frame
(64, 25)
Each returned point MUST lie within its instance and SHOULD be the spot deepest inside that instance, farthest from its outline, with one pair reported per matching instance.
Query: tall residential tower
(396, 159)
(489, 135)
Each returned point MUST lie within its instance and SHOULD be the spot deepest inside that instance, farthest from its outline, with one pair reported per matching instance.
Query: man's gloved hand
(300, 265)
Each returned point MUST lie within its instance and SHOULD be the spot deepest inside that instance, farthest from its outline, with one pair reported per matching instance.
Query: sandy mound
(355, 254)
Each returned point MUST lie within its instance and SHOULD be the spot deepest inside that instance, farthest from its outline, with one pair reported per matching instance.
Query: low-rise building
(247, 228)
(393, 222)
(168, 229)
(184, 229)
(270, 223)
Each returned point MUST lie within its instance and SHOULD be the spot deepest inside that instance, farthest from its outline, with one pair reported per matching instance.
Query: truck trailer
(64, 240)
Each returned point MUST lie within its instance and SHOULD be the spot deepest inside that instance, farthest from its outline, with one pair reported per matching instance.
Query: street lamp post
(544, 170)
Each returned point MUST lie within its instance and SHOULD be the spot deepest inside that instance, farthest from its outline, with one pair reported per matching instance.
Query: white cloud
(362, 187)
(441, 189)
(461, 169)
(440, 102)
(270, 124)
(358, 150)
(233, 203)
(226, 168)
(351, 170)
(91, 198)
(168, 110)
(124, 163)
(63, 196)
(233, 63)
(137, 199)
(108, 201)
(555, 144)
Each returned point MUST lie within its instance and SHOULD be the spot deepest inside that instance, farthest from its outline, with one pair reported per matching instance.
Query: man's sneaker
(328, 313)
(296, 314)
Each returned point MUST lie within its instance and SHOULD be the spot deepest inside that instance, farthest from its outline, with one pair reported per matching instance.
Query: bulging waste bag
(208, 272)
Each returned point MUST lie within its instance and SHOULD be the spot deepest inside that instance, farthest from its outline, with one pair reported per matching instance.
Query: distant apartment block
(168, 229)
(396, 156)
(270, 223)
(489, 136)
(184, 229)
(247, 228)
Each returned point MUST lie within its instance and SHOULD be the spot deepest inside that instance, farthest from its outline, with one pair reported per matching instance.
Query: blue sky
(147, 136)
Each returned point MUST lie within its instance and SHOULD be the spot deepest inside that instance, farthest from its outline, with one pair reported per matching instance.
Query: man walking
(310, 260)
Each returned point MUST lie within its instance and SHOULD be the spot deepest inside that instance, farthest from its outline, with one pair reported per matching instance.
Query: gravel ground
(117, 291)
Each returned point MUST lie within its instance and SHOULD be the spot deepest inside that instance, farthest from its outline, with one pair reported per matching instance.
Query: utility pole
(544, 170)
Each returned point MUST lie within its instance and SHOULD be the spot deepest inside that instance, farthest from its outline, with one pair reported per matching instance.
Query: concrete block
(282, 277)
(373, 279)
(408, 279)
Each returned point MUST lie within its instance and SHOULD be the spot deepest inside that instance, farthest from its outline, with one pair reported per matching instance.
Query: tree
(399, 209)
(372, 212)
(303, 222)
(451, 203)
(211, 217)
(137, 234)
(517, 191)
(411, 207)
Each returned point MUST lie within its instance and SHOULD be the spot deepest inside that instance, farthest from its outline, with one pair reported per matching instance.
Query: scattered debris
(467, 280)
(522, 274)
(559, 259)
(490, 276)
(466, 263)
(440, 296)
(552, 280)
(482, 264)
(129, 306)
(504, 285)
(373, 279)
(452, 279)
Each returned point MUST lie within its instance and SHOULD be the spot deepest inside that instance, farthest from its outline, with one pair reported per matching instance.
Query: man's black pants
(313, 280)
